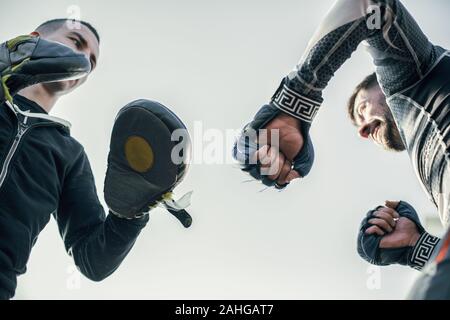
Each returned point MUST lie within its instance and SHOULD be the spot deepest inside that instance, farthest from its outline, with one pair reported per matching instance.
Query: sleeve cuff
(423, 250)
(140, 220)
(296, 105)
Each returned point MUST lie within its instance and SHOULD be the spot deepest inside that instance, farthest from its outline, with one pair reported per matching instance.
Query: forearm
(98, 243)
(425, 249)
(102, 249)
(399, 49)
(337, 37)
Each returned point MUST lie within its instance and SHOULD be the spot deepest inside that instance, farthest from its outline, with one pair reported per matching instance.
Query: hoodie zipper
(21, 129)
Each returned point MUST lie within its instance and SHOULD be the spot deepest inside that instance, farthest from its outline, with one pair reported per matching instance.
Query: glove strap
(13, 43)
(176, 207)
(295, 104)
(6, 94)
(138, 216)
(168, 202)
(423, 250)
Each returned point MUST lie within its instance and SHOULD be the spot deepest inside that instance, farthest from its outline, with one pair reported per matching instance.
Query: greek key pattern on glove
(423, 250)
(296, 105)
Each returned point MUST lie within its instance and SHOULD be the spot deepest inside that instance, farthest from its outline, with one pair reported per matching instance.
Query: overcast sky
(217, 62)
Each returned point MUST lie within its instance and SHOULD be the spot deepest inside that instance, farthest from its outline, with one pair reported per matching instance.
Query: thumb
(392, 204)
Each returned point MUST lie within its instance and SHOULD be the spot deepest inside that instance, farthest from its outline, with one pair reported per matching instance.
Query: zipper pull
(21, 129)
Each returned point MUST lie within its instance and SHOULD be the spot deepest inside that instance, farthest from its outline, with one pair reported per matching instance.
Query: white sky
(218, 62)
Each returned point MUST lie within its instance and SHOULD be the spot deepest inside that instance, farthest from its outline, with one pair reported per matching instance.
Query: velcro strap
(295, 104)
(423, 250)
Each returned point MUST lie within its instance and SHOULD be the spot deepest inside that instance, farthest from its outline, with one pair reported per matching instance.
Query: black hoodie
(44, 172)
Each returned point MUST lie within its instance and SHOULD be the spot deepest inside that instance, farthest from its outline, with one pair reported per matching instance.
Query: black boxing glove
(415, 257)
(28, 60)
(286, 100)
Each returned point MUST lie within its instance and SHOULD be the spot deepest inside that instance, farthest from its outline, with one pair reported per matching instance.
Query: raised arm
(401, 53)
(97, 243)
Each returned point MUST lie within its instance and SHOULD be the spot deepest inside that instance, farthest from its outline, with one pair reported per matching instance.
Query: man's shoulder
(68, 147)
(75, 143)
(74, 147)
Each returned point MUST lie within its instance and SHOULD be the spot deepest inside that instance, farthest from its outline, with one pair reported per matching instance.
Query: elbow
(96, 275)
(93, 269)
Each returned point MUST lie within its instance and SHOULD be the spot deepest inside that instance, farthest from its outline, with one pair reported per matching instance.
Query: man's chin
(393, 145)
(59, 87)
(391, 136)
(389, 141)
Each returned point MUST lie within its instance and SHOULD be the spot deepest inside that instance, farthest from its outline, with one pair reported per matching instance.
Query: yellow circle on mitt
(139, 154)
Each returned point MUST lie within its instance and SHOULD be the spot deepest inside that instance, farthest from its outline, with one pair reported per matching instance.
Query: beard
(392, 140)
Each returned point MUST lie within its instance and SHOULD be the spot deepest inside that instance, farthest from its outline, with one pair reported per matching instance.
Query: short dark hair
(369, 82)
(55, 24)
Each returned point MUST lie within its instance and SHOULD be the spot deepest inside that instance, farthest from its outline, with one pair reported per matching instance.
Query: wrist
(136, 217)
(423, 250)
(289, 121)
(414, 239)
(295, 104)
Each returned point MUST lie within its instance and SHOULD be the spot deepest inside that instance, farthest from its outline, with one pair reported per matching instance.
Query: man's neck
(42, 97)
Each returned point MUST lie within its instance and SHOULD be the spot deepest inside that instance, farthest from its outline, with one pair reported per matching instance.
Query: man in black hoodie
(45, 172)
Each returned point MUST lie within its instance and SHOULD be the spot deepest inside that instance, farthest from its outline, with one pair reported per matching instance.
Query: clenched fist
(276, 157)
(397, 231)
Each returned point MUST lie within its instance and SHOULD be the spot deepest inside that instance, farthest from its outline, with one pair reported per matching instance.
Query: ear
(35, 34)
